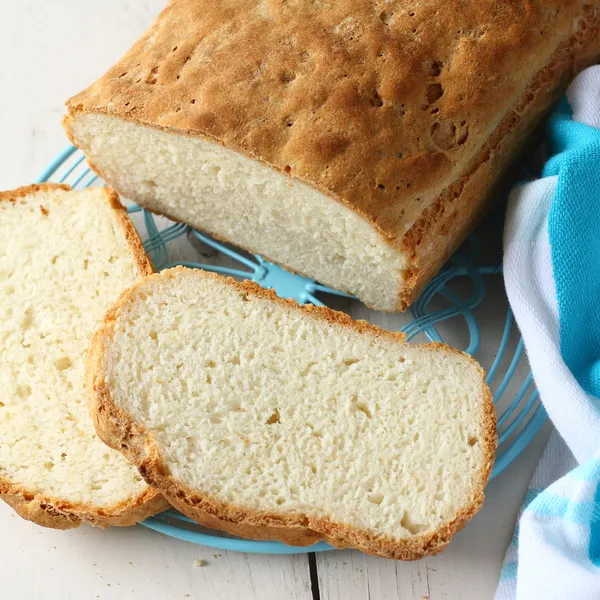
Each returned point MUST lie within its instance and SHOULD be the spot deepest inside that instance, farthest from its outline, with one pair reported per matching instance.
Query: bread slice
(272, 421)
(64, 258)
(354, 142)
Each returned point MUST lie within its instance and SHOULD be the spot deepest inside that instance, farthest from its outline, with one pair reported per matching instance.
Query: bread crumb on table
(198, 562)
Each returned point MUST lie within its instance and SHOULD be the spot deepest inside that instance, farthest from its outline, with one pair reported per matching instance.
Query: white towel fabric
(549, 235)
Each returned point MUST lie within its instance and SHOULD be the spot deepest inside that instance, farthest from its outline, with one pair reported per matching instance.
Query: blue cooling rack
(454, 304)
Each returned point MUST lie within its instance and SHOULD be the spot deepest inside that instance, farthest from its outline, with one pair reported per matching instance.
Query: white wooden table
(50, 51)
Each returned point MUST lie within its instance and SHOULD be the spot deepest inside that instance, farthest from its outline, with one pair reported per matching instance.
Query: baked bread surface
(65, 257)
(268, 420)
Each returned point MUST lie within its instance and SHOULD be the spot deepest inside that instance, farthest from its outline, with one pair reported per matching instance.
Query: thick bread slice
(273, 421)
(64, 258)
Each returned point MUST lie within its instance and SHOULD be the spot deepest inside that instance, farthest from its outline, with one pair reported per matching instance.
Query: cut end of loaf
(203, 184)
(267, 419)
(65, 259)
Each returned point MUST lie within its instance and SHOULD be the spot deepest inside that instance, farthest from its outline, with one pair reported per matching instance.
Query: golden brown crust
(57, 513)
(12, 195)
(136, 247)
(315, 92)
(458, 209)
(117, 429)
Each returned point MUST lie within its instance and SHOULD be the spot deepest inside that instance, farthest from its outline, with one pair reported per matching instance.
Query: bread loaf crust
(121, 432)
(316, 92)
(57, 513)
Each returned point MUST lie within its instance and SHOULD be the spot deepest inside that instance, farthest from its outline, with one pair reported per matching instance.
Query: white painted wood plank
(129, 563)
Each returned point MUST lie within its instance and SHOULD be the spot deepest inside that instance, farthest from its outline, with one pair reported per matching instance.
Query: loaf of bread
(64, 258)
(268, 420)
(354, 142)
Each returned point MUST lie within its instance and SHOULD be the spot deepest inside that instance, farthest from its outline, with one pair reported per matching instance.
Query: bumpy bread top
(380, 104)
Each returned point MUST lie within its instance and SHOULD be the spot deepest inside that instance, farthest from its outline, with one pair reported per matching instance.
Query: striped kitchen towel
(552, 275)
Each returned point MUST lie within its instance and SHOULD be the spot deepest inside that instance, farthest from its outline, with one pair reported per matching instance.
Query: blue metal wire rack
(519, 417)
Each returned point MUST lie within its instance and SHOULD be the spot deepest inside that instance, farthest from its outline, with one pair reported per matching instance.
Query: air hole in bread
(409, 525)
(287, 77)
(361, 405)
(376, 100)
(433, 68)
(153, 335)
(385, 17)
(122, 74)
(152, 77)
(448, 136)
(434, 92)
(49, 466)
(63, 363)
(27, 321)
(472, 441)
(23, 391)
(376, 498)
(193, 101)
(350, 361)
(274, 418)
